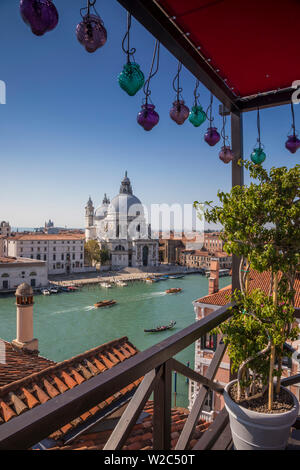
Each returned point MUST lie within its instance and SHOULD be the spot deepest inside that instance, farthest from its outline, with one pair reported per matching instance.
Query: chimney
(24, 303)
(213, 283)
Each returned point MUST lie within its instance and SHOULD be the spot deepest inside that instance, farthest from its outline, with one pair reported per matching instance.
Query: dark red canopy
(237, 48)
(254, 43)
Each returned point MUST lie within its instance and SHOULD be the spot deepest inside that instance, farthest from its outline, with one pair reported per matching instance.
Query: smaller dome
(24, 290)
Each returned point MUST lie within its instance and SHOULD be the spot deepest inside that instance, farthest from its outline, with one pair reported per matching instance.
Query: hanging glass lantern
(131, 79)
(197, 115)
(40, 15)
(212, 135)
(91, 32)
(226, 154)
(293, 143)
(148, 117)
(258, 156)
(179, 111)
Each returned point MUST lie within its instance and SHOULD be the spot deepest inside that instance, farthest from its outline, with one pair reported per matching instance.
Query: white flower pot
(259, 431)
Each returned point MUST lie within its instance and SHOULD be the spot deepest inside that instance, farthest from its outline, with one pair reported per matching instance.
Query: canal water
(68, 324)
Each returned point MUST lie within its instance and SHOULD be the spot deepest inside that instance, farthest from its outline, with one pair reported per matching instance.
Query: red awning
(254, 44)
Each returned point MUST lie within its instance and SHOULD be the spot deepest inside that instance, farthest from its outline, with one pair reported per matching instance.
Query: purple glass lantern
(147, 117)
(293, 143)
(91, 32)
(179, 112)
(226, 154)
(212, 136)
(40, 15)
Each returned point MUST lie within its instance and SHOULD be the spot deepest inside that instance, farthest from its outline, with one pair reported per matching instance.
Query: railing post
(162, 409)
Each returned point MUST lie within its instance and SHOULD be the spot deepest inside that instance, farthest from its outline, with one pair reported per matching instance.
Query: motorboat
(105, 303)
(107, 285)
(121, 284)
(174, 290)
(162, 328)
(53, 290)
(176, 276)
(46, 292)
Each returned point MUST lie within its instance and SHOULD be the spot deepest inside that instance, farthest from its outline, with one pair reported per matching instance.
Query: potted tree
(261, 226)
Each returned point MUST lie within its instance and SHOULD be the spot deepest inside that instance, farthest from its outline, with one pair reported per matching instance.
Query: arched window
(5, 275)
(33, 273)
(119, 248)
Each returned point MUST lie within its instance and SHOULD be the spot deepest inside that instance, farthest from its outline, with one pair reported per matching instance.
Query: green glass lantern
(131, 79)
(258, 156)
(197, 116)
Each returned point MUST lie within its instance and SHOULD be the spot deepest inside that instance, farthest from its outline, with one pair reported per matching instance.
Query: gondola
(162, 328)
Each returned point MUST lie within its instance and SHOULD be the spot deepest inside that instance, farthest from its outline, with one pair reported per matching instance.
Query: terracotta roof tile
(19, 364)
(41, 386)
(141, 436)
(256, 281)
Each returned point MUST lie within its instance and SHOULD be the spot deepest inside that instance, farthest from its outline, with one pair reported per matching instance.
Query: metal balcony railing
(155, 365)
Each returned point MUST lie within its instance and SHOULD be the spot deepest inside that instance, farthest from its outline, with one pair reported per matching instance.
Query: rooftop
(46, 237)
(256, 281)
(9, 260)
(34, 381)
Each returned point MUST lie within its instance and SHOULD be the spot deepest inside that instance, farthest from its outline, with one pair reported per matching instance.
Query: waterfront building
(205, 347)
(120, 227)
(212, 242)
(15, 270)
(63, 252)
(202, 259)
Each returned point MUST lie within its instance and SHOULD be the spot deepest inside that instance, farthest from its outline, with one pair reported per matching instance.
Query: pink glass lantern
(212, 136)
(292, 143)
(179, 112)
(148, 117)
(40, 15)
(91, 32)
(226, 154)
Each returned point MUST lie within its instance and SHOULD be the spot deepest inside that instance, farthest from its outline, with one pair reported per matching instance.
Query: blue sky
(68, 131)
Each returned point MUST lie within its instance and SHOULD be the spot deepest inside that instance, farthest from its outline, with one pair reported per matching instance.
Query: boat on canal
(105, 303)
(162, 328)
(106, 285)
(121, 284)
(174, 290)
(176, 276)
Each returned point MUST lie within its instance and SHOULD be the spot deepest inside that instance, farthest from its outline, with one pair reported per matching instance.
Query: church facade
(120, 227)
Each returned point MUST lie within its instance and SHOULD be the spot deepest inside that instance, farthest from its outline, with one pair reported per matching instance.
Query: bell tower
(89, 213)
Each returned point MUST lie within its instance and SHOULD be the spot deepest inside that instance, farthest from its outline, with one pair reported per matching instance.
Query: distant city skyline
(68, 131)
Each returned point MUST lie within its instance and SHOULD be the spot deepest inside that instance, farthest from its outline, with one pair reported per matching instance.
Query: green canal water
(67, 324)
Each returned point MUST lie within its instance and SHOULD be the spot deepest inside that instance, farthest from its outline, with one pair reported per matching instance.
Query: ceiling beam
(266, 100)
(154, 19)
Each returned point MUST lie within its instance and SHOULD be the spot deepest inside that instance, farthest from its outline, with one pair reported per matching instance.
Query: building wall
(12, 274)
(61, 255)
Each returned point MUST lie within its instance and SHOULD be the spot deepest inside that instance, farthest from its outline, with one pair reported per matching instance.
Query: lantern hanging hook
(152, 73)
(223, 131)
(258, 129)
(176, 81)
(293, 119)
(129, 52)
(90, 4)
(196, 94)
(209, 110)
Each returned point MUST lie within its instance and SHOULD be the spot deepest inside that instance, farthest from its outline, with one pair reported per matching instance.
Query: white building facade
(14, 271)
(120, 227)
(62, 253)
